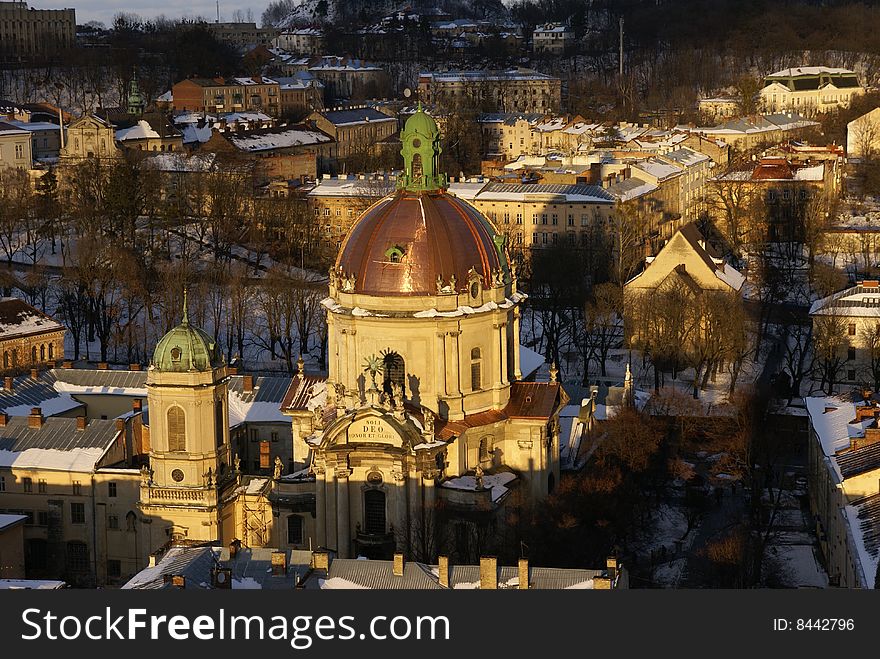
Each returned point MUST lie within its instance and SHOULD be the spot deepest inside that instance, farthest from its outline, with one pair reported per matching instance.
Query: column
(341, 346)
(413, 503)
(343, 521)
(502, 335)
(517, 371)
(320, 508)
(497, 355)
(331, 513)
(429, 491)
(352, 360)
(441, 360)
(454, 388)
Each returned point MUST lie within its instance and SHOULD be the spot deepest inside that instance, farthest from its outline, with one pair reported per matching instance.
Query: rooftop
(18, 318)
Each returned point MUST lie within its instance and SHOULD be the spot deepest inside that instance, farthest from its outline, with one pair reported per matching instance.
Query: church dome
(186, 348)
(406, 242)
(420, 240)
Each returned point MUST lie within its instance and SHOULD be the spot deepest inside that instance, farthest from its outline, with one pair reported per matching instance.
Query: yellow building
(809, 90)
(514, 90)
(28, 337)
(90, 136)
(28, 32)
(12, 546)
(844, 474)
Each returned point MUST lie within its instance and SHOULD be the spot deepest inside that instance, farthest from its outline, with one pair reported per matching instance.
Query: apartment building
(809, 90)
(513, 90)
(26, 32)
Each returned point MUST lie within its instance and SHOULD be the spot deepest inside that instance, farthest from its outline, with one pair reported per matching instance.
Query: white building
(809, 90)
(15, 147)
(844, 479)
(552, 38)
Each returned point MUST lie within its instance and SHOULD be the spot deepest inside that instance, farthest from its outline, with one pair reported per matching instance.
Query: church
(420, 439)
(423, 420)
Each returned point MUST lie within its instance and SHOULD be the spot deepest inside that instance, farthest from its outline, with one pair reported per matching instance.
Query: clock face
(177, 475)
(417, 143)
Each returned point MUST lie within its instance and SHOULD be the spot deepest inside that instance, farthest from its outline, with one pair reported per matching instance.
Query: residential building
(90, 136)
(300, 95)
(789, 191)
(355, 131)
(747, 134)
(844, 485)
(213, 95)
(27, 33)
(152, 132)
(337, 202)
(45, 138)
(809, 90)
(303, 41)
(719, 108)
(536, 216)
(284, 152)
(28, 337)
(15, 147)
(240, 34)
(552, 39)
(855, 312)
(267, 568)
(344, 78)
(686, 260)
(863, 136)
(12, 545)
(514, 90)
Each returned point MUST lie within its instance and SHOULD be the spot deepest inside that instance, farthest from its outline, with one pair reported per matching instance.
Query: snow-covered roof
(57, 445)
(486, 76)
(631, 188)
(807, 71)
(262, 404)
(140, 131)
(374, 186)
(657, 168)
(277, 138)
(31, 584)
(863, 520)
(498, 483)
(7, 521)
(18, 318)
(861, 300)
(590, 194)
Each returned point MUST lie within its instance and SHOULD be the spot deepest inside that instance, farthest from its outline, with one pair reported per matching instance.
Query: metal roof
(267, 389)
(869, 522)
(27, 391)
(859, 461)
(89, 377)
(550, 188)
(57, 433)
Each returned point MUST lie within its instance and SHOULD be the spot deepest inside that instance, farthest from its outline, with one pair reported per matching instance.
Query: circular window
(175, 354)
(177, 475)
(475, 290)
(374, 478)
(417, 143)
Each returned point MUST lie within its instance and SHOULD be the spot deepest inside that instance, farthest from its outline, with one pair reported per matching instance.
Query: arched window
(131, 521)
(219, 422)
(374, 512)
(394, 371)
(417, 166)
(176, 429)
(476, 370)
(14, 357)
(294, 529)
(43, 352)
(33, 354)
(6, 359)
(77, 557)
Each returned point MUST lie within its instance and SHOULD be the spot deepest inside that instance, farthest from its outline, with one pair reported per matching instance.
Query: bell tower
(189, 434)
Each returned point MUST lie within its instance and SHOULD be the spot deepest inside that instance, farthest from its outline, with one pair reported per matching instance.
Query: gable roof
(18, 318)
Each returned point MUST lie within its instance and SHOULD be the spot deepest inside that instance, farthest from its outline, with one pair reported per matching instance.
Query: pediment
(371, 426)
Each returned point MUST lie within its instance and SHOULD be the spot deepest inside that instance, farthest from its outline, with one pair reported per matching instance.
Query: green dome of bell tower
(186, 348)
(421, 153)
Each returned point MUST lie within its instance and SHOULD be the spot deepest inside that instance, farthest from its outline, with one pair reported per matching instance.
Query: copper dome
(407, 241)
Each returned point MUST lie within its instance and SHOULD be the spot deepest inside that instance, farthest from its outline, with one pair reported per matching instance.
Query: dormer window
(394, 254)
(175, 354)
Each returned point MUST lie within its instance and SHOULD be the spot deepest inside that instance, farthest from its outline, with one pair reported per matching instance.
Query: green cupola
(421, 154)
(136, 103)
(186, 348)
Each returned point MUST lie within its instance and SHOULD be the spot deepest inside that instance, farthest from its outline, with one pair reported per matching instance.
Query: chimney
(602, 583)
(247, 384)
(134, 367)
(35, 419)
(523, 573)
(81, 423)
(137, 405)
(279, 563)
(175, 580)
(8, 383)
(103, 366)
(398, 565)
(443, 570)
(35, 374)
(66, 364)
(4, 419)
(321, 561)
(611, 564)
(488, 573)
